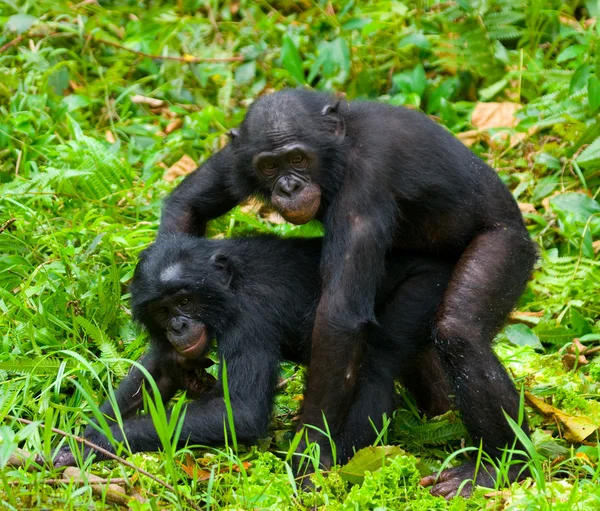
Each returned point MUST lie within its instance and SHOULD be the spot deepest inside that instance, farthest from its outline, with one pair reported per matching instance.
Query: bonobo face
(289, 171)
(177, 316)
(180, 293)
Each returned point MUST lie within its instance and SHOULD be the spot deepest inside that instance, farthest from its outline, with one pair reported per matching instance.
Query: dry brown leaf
(192, 470)
(525, 207)
(495, 115)
(469, 137)
(172, 126)
(110, 138)
(145, 100)
(184, 166)
(574, 429)
(113, 492)
(596, 246)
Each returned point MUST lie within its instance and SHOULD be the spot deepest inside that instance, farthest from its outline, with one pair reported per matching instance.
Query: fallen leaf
(172, 126)
(596, 246)
(184, 166)
(191, 468)
(574, 429)
(145, 100)
(525, 207)
(469, 137)
(110, 138)
(369, 458)
(494, 115)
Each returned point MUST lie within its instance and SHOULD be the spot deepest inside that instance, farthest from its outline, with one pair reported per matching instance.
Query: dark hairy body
(383, 180)
(257, 297)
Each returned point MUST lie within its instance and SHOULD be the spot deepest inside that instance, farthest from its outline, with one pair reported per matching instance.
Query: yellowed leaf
(145, 100)
(184, 166)
(469, 137)
(172, 126)
(527, 208)
(110, 138)
(495, 115)
(596, 246)
(574, 429)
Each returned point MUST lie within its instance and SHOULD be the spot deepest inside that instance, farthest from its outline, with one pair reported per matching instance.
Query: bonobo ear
(339, 125)
(224, 266)
(233, 133)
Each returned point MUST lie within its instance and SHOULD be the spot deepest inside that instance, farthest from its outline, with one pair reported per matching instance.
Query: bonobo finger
(64, 458)
(428, 480)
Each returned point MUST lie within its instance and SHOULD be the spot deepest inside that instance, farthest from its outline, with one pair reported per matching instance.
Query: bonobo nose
(178, 326)
(288, 186)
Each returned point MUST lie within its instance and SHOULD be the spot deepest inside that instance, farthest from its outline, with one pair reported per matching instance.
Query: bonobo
(383, 180)
(257, 297)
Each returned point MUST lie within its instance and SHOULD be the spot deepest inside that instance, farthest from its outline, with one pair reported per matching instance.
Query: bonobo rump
(383, 180)
(257, 297)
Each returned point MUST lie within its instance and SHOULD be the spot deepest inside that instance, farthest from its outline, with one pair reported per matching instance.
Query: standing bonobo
(384, 181)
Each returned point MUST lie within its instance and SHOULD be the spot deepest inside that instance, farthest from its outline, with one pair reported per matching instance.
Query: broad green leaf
(522, 335)
(290, 58)
(368, 459)
(594, 93)
(580, 78)
(20, 23)
(570, 52)
(590, 157)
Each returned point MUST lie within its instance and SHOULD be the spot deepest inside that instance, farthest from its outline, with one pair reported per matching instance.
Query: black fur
(258, 299)
(384, 181)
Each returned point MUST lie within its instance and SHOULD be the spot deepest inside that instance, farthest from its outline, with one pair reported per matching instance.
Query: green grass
(82, 164)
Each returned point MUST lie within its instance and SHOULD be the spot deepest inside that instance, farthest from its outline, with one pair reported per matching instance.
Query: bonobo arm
(129, 396)
(359, 232)
(203, 195)
(251, 374)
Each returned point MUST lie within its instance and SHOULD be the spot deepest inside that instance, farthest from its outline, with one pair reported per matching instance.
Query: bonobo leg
(486, 284)
(405, 312)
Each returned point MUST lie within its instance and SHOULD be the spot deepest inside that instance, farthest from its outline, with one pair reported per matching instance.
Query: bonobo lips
(194, 344)
(302, 208)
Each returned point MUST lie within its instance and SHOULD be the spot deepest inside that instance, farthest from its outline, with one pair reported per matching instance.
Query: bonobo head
(286, 144)
(180, 290)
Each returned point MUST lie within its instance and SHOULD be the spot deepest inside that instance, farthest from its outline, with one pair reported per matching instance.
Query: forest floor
(104, 106)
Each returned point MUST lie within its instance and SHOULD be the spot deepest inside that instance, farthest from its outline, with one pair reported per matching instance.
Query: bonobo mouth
(302, 208)
(194, 344)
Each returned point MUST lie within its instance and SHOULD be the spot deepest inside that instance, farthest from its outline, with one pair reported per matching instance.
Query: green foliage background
(82, 162)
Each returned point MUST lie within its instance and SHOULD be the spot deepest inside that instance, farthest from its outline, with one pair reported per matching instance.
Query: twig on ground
(107, 454)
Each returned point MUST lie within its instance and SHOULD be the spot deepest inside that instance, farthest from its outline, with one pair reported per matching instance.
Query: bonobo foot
(448, 482)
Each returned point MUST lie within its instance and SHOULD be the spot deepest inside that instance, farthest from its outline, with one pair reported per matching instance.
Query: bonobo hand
(64, 457)
(448, 482)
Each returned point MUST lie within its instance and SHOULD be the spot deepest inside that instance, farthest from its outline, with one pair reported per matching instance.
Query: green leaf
(419, 80)
(368, 459)
(20, 23)
(290, 57)
(594, 93)
(579, 323)
(590, 157)
(570, 52)
(522, 335)
(580, 78)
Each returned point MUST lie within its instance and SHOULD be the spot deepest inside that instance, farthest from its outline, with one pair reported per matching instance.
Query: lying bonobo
(257, 297)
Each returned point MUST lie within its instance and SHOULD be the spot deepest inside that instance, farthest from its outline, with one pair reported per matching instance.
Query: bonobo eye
(162, 311)
(299, 162)
(269, 168)
(184, 302)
